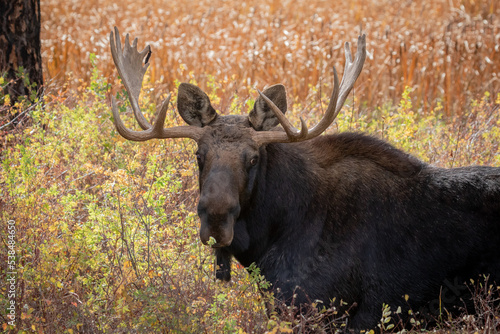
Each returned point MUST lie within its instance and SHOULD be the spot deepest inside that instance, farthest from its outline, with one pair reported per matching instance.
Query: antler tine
(337, 99)
(128, 62)
(330, 113)
(352, 70)
(131, 69)
(152, 132)
(292, 133)
(156, 131)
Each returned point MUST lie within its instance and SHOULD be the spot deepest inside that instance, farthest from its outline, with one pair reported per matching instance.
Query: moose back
(343, 216)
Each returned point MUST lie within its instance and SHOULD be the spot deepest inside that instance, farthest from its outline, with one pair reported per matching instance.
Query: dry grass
(446, 50)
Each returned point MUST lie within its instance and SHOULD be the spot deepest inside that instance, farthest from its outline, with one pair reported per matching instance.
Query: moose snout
(217, 221)
(219, 207)
(222, 233)
(219, 227)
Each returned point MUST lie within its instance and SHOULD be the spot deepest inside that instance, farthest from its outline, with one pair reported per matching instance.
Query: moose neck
(288, 200)
(276, 204)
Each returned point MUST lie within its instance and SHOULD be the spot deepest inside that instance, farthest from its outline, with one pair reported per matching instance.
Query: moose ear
(194, 105)
(262, 117)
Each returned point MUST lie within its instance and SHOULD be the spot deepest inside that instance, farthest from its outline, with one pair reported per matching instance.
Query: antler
(337, 99)
(129, 63)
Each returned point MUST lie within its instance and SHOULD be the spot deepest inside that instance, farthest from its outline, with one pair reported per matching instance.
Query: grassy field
(106, 230)
(446, 50)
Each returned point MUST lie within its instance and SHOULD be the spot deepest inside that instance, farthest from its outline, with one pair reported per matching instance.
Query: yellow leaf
(407, 297)
(274, 331)
(33, 327)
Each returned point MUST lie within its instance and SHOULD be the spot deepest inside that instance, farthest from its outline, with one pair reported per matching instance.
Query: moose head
(229, 147)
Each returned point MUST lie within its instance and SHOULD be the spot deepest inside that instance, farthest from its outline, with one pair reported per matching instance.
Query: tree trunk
(20, 51)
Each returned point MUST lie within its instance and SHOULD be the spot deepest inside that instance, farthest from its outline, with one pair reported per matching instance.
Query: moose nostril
(202, 209)
(235, 211)
(204, 234)
(218, 225)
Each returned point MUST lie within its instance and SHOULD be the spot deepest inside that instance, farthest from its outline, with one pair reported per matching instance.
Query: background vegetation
(106, 230)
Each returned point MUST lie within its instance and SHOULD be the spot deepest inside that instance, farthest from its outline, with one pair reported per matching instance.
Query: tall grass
(447, 50)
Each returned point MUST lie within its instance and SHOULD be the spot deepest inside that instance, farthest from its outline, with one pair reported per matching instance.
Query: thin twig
(20, 114)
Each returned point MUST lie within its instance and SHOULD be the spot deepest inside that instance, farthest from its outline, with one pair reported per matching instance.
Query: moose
(326, 217)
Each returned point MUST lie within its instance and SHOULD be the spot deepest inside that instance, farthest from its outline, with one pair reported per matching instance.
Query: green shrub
(106, 230)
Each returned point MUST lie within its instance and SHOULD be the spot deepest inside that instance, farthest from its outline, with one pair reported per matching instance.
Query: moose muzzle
(218, 210)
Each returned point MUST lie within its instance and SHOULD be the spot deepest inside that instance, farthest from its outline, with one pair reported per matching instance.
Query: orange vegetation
(446, 50)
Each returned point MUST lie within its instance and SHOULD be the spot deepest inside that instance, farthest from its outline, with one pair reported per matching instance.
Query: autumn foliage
(106, 229)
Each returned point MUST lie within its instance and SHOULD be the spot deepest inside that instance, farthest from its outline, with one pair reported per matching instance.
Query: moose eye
(199, 158)
(254, 161)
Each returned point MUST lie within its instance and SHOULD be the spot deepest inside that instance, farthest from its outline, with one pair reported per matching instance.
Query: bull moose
(344, 216)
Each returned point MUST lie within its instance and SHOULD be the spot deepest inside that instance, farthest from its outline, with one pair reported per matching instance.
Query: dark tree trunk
(20, 50)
